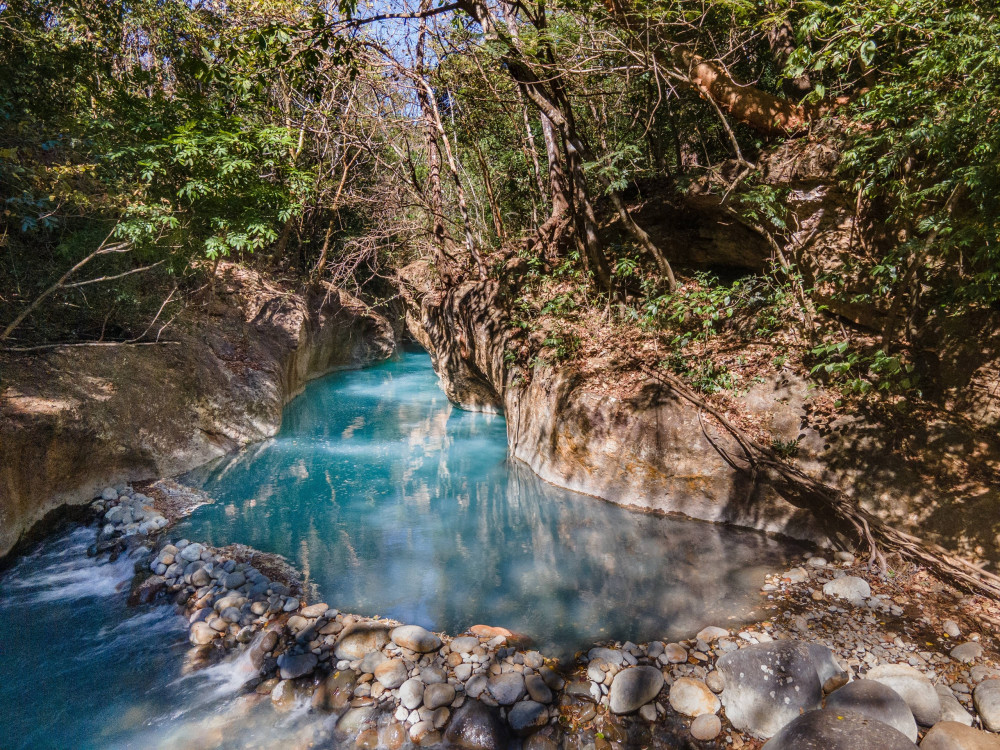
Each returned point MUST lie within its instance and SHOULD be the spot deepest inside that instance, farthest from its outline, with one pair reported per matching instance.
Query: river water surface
(389, 501)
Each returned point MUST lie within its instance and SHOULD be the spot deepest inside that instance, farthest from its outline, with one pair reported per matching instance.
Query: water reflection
(392, 502)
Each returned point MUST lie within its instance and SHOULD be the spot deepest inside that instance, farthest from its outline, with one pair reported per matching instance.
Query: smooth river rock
(706, 727)
(634, 687)
(475, 726)
(537, 688)
(951, 709)
(416, 639)
(967, 653)
(987, 702)
(411, 693)
(202, 633)
(391, 674)
(438, 695)
(507, 689)
(527, 717)
(914, 688)
(770, 684)
(835, 730)
(877, 701)
(361, 639)
(464, 644)
(296, 665)
(950, 735)
(853, 589)
(692, 698)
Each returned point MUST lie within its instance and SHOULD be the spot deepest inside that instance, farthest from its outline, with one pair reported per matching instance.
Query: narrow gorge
(489, 375)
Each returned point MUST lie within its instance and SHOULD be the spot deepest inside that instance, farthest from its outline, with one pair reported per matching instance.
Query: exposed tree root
(849, 520)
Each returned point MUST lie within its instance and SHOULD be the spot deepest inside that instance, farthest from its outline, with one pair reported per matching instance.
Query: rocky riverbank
(837, 659)
(74, 419)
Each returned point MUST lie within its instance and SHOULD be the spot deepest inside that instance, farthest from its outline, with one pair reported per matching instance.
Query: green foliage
(785, 448)
(863, 372)
(702, 308)
(704, 375)
(925, 139)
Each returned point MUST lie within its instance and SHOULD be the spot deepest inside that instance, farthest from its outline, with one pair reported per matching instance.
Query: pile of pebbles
(837, 665)
(126, 518)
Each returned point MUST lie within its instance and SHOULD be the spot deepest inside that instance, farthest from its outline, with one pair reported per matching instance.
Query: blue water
(391, 501)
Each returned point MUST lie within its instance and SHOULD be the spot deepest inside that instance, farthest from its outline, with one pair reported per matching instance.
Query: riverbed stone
(283, 695)
(914, 688)
(852, 588)
(334, 693)
(877, 701)
(833, 730)
(950, 735)
(438, 695)
(202, 633)
(433, 674)
(192, 552)
(769, 684)
(476, 726)
(371, 661)
(296, 665)
(507, 689)
(392, 673)
(527, 717)
(411, 693)
(314, 610)
(537, 689)
(693, 698)
(951, 709)
(464, 644)
(967, 653)
(987, 702)
(416, 639)
(706, 727)
(674, 653)
(634, 687)
(361, 639)
(260, 648)
(552, 678)
(610, 655)
(711, 633)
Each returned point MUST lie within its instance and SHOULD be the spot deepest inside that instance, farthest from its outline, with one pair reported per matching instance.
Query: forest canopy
(142, 142)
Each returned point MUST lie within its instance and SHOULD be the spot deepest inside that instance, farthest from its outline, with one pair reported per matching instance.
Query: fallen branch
(42, 347)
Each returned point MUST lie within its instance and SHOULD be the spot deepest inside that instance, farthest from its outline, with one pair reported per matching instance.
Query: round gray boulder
(507, 689)
(416, 639)
(769, 684)
(914, 688)
(633, 688)
(835, 730)
(950, 735)
(527, 717)
(987, 702)
(296, 665)
(876, 701)
(475, 726)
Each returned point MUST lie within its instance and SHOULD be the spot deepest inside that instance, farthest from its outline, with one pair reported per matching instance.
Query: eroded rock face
(76, 420)
(647, 450)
